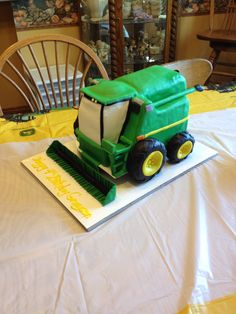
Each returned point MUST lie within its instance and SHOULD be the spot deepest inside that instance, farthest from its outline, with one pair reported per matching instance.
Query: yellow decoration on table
(57, 123)
(210, 100)
(225, 305)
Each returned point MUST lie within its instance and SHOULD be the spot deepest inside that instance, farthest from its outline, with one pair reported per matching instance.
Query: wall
(8, 37)
(67, 30)
(188, 46)
(7, 27)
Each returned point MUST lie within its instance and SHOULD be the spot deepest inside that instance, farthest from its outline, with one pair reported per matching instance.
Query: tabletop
(172, 252)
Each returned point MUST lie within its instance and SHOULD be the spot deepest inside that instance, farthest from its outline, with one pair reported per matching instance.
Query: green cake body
(152, 117)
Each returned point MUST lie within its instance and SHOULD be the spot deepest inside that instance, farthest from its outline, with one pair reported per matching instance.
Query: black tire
(76, 125)
(140, 161)
(179, 147)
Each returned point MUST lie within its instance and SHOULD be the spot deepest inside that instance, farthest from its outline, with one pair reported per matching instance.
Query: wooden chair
(196, 71)
(48, 71)
(222, 38)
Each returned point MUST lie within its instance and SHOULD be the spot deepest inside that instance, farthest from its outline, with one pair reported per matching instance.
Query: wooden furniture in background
(116, 37)
(54, 69)
(130, 35)
(196, 71)
(171, 30)
(222, 39)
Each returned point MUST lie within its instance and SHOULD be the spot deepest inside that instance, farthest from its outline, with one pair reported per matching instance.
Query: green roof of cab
(154, 83)
(109, 92)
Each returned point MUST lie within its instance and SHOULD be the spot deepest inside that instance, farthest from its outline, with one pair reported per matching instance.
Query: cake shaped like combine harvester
(134, 123)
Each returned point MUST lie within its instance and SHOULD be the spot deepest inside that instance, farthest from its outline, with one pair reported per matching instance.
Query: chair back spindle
(52, 70)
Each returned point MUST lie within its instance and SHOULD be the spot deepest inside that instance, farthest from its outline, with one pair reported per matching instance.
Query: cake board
(85, 208)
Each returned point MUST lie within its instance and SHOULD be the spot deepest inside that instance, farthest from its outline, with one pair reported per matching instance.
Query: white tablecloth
(175, 247)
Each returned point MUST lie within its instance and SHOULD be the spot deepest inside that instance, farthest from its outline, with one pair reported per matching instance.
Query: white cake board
(72, 195)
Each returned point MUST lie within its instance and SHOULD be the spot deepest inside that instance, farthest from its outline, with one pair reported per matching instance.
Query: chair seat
(224, 36)
(220, 41)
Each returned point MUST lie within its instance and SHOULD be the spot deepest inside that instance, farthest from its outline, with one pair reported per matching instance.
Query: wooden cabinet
(128, 35)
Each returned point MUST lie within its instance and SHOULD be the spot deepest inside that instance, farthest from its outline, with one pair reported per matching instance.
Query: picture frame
(44, 13)
(200, 7)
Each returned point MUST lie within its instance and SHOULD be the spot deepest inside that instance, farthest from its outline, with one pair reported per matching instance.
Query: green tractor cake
(132, 124)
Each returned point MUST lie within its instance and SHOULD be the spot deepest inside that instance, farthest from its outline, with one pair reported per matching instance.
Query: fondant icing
(136, 122)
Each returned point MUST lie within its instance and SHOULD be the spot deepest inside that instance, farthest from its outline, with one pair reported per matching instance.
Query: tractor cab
(102, 114)
(98, 121)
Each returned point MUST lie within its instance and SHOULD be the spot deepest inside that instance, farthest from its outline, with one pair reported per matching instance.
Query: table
(172, 252)
(221, 41)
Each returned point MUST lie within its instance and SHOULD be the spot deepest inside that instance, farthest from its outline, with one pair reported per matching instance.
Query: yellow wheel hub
(184, 150)
(152, 163)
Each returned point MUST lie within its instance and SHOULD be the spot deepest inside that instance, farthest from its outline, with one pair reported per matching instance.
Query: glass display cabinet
(127, 35)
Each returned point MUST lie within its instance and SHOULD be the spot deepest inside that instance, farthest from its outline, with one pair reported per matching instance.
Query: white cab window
(89, 119)
(113, 119)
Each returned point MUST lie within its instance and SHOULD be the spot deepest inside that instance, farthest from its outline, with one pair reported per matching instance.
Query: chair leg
(214, 56)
